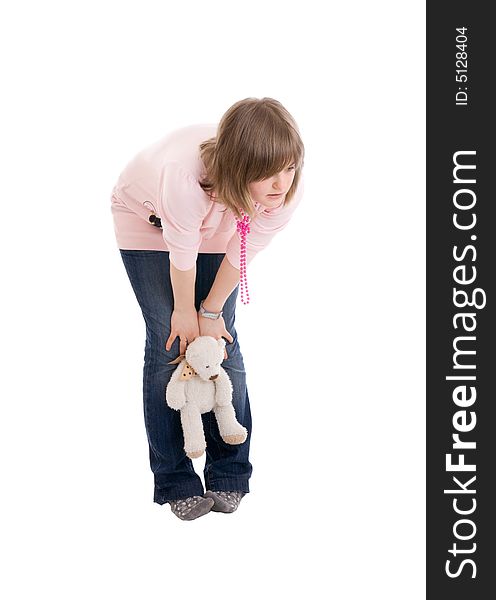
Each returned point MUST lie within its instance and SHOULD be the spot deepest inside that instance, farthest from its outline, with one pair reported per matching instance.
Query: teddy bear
(198, 385)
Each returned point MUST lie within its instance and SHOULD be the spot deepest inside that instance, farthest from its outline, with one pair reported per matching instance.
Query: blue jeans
(226, 466)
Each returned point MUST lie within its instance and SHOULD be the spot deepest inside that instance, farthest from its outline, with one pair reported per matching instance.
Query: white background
(333, 338)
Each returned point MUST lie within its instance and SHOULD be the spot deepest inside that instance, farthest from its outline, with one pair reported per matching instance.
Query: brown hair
(256, 138)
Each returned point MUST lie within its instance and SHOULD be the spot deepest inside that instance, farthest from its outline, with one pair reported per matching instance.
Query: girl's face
(271, 192)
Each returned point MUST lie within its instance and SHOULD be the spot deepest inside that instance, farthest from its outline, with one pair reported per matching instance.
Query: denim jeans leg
(227, 466)
(174, 474)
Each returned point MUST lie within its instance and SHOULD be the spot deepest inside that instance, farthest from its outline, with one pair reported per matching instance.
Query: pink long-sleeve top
(164, 179)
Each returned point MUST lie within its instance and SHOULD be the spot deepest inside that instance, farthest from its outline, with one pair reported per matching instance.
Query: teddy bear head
(205, 354)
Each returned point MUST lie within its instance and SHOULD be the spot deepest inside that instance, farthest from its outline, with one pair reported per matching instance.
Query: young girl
(190, 213)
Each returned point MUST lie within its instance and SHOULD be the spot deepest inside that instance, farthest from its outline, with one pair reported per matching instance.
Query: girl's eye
(292, 167)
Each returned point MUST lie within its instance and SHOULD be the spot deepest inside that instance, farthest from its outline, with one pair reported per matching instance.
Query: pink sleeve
(263, 228)
(183, 207)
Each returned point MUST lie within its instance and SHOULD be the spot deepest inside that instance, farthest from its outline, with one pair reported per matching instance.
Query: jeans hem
(177, 494)
(228, 485)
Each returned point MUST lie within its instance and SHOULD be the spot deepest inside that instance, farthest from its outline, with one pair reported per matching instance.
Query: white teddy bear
(198, 385)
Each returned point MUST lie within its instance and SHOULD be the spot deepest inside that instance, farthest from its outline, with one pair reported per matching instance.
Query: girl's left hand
(215, 328)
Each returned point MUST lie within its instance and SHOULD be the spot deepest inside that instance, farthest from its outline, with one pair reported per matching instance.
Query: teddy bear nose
(213, 377)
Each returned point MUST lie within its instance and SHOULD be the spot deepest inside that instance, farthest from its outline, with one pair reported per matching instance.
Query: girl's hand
(184, 323)
(214, 327)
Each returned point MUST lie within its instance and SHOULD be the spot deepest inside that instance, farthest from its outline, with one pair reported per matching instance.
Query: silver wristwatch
(207, 314)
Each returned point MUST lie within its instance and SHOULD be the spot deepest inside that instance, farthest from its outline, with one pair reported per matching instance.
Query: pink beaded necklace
(243, 227)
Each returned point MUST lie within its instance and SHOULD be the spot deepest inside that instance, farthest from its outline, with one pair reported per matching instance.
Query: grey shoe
(226, 502)
(191, 508)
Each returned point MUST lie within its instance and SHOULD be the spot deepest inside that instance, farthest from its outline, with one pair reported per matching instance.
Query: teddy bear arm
(175, 392)
(223, 389)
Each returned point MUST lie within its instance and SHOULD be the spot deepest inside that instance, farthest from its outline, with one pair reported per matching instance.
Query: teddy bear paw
(175, 403)
(236, 438)
(194, 453)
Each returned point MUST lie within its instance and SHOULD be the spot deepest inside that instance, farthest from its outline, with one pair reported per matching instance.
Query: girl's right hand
(184, 323)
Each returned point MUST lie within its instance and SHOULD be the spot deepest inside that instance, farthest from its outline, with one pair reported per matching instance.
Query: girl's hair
(256, 138)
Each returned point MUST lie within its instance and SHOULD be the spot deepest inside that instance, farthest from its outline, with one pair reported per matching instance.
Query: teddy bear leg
(194, 437)
(230, 430)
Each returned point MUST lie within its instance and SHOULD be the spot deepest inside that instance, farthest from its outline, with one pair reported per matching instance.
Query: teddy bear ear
(221, 343)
